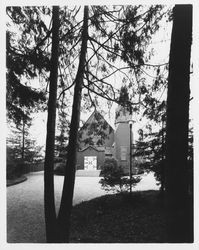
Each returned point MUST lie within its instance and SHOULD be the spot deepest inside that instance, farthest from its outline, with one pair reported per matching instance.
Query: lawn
(120, 218)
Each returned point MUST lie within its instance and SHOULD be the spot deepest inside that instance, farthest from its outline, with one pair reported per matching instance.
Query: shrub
(14, 170)
(113, 178)
(10, 171)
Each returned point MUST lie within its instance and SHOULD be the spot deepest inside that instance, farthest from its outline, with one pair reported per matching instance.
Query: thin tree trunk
(177, 200)
(23, 141)
(130, 170)
(162, 174)
(69, 180)
(49, 202)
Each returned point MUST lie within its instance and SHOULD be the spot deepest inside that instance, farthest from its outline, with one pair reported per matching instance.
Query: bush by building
(113, 178)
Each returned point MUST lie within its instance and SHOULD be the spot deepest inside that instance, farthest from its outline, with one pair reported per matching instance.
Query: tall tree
(18, 138)
(177, 198)
(49, 202)
(69, 180)
(24, 61)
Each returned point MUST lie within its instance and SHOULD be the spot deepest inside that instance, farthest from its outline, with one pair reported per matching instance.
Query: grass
(120, 218)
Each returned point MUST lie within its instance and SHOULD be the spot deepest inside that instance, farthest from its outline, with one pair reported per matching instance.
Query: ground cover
(120, 218)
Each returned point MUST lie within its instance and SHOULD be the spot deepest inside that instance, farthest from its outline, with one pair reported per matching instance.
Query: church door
(90, 162)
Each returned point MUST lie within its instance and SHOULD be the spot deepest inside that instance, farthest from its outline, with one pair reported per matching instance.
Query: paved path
(25, 208)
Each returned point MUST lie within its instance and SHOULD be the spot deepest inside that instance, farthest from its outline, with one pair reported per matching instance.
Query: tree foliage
(151, 149)
(116, 34)
(61, 138)
(113, 178)
(24, 61)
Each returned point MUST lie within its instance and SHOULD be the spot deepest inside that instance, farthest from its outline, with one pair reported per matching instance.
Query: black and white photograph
(100, 123)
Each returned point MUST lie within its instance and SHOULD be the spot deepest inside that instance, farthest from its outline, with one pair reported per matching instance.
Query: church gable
(98, 140)
(96, 132)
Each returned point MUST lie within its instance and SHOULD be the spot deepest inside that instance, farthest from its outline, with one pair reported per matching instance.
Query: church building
(98, 140)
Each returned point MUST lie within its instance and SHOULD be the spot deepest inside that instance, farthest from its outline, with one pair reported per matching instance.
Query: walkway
(25, 207)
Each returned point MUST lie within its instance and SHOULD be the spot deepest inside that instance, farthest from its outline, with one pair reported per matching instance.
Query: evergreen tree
(49, 199)
(23, 60)
(151, 148)
(21, 149)
(19, 138)
(125, 40)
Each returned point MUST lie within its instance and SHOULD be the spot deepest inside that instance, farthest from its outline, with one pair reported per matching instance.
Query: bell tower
(122, 137)
(122, 115)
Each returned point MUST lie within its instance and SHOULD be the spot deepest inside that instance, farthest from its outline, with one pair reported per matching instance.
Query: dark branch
(63, 91)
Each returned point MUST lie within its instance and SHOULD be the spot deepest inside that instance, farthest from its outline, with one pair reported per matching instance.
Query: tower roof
(122, 115)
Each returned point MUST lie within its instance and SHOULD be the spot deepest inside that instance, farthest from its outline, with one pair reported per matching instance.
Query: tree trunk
(177, 200)
(69, 180)
(162, 174)
(23, 141)
(49, 202)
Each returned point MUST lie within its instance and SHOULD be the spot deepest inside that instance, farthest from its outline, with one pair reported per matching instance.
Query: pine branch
(43, 40)
(111, 65)
(108, 49)
(72, 30)
(101, 45)
(99, 94)
(102, 81)
(104, 95)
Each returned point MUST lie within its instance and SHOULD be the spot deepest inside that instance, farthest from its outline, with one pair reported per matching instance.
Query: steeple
(123, 130)
(122, 115)
(123, 112)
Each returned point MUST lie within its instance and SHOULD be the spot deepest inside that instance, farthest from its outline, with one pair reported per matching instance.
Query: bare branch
(106, 96)
(87, 77)
(77, 11)
(73, 29)
(104, 46)
(101, 45)
(111, 65)
(64, 90)
(99, 94)
(103, 82)
(44, 39)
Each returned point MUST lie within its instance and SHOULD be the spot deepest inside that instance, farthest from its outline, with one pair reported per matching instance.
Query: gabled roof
(90, 146)
(92, 117)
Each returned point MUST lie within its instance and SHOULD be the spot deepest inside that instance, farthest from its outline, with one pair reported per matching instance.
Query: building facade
(98, 141)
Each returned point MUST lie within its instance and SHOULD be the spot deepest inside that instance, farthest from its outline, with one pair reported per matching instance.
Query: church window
(123, 153)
